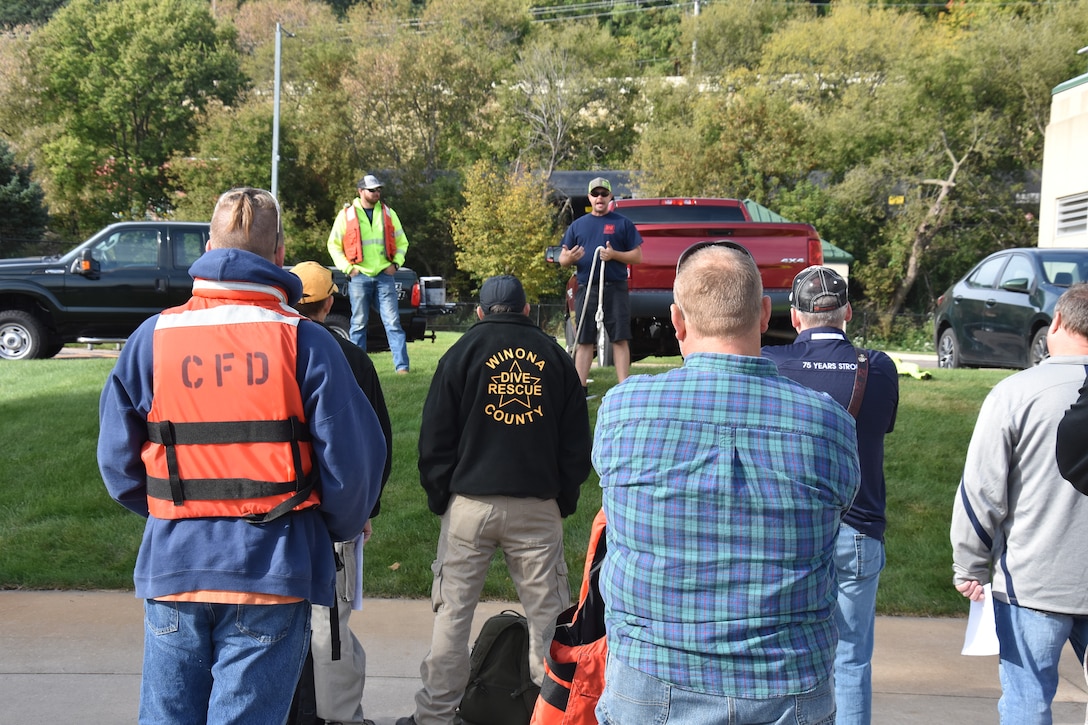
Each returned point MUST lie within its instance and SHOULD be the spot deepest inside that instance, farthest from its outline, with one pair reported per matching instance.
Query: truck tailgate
(780, 250)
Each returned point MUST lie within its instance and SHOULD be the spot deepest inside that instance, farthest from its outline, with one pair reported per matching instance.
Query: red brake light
(815, 252)
(415, 295)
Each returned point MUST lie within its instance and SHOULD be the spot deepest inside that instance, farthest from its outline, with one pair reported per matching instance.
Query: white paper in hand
(981, 639)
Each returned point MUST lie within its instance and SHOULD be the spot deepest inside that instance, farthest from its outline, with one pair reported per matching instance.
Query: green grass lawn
(59, 529)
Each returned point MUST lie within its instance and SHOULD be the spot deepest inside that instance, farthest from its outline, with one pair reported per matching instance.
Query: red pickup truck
(669, 226)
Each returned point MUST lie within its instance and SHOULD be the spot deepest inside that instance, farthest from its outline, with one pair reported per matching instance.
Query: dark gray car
(998, 314)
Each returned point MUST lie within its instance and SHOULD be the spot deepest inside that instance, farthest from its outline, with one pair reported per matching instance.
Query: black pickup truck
(104, 288)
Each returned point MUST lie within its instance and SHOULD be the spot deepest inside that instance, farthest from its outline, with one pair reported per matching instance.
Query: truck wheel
(340, 325)
(22, 336)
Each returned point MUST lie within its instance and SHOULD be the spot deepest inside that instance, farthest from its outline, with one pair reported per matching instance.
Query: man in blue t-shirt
(822, 358)
(620, 244)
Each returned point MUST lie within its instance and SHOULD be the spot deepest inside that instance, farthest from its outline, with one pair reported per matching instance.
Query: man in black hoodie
(504, 448)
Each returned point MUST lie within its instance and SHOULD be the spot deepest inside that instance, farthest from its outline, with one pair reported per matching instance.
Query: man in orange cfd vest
(367, 243)
(234, 425)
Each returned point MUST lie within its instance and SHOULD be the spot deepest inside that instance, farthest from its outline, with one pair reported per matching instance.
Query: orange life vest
(227, 433)
(575, 663)
(353, 237)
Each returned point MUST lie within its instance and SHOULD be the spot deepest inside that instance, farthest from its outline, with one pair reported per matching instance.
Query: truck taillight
(416, 295)
(815, 252)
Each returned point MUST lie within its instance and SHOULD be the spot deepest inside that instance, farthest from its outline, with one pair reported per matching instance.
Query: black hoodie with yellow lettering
(506, 415)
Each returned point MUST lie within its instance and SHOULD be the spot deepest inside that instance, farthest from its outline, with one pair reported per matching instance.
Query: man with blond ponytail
(233, 424)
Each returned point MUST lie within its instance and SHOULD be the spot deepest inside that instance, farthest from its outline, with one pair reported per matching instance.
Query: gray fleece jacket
(1015, 519)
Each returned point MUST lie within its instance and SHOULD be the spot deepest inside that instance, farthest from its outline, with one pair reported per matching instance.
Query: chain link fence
(907, 332)
(548, 316)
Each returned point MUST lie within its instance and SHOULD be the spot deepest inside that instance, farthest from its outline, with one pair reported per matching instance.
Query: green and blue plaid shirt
(724, 484)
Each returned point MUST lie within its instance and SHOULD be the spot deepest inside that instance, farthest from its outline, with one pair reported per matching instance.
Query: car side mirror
(551, 254)
(1018, 284)
(87, 265)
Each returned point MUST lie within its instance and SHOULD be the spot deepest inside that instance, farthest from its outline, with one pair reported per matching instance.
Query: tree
(316, 168)
(122, 86)
(18, 95)
(506, 233)
(727, 36)
(569, 101)
(651, 28)
(954, 129)
(416, 92)
(28, 12)
(23, 216)
(750, 143)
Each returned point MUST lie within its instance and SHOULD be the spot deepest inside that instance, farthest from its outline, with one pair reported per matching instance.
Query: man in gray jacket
(1018, 523)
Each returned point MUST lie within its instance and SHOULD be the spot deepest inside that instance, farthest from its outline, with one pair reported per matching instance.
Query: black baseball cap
(505, 290)
(818, 289)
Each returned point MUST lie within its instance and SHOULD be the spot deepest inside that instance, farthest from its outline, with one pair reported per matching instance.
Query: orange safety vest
(575, 663)
(227, 433)
(353, 237)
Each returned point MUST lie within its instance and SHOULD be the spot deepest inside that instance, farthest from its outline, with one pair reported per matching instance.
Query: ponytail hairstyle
(249, 219)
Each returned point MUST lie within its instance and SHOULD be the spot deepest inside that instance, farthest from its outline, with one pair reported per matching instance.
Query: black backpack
(500, 689)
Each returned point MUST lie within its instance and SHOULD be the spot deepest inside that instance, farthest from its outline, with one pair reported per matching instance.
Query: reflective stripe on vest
(353, 235)
(227, 432)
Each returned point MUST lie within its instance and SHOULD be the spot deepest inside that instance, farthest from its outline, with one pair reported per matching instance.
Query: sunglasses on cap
(687, 253)
(598, 193)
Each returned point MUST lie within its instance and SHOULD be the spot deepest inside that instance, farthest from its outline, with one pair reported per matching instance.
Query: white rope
(585, 299)
(602, 336)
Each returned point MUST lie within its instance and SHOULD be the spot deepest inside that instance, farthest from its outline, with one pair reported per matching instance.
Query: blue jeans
(221, 663)
(859, 560)
(631, 696)
(1031, 644)
(364, 292)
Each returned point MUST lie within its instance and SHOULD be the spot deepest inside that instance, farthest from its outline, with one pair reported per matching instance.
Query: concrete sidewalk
(75, 657)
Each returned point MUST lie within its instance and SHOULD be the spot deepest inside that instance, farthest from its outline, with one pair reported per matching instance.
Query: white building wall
(1065, 161)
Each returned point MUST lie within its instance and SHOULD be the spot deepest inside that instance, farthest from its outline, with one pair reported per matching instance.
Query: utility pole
(276, 114)
(695, 41)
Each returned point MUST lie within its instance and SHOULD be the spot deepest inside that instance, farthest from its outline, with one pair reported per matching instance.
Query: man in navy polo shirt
(619, 245)
(822, 358)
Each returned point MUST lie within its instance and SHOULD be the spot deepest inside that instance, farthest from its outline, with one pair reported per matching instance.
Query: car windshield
(1065, 268)
(681, 214)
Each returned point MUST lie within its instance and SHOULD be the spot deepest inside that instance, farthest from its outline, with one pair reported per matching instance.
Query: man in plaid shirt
(724, 485)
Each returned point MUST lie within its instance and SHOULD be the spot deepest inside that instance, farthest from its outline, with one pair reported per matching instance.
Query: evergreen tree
(23, 215)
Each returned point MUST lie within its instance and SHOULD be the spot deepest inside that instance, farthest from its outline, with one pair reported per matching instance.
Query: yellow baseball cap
(316, 279)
